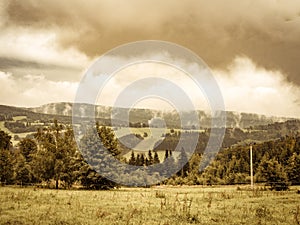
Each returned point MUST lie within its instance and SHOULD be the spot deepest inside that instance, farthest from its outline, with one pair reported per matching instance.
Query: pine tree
(99, 155)
(183, 164)
(71, 159)
(132, 160)
(147, 161)
(150, 158)
(156, 158)
(138, 160)
(108, 140)
(142, 162)
(170, 167)
(166, 154)
(293, 169)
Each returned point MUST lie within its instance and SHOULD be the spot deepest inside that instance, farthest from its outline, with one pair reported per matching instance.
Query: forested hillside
(52, 158)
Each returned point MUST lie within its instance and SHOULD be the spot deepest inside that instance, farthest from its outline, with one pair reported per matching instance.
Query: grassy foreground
(157, 205)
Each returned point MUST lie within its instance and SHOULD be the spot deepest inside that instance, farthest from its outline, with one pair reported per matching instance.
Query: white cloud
(33, 90)
(39, 46)
(154, 70)
(245, 87)
(249, 88)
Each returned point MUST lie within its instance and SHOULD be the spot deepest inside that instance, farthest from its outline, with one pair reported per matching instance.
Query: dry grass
(157, 205)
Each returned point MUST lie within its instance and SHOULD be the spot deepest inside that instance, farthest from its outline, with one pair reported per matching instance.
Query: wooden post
(251, 168)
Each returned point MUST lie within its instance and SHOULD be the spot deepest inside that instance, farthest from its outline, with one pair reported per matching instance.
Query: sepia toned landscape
(148, 112)
(157, 205)
(35, 164)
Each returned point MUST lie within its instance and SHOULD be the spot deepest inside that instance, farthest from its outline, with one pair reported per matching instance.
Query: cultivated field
(156, 205)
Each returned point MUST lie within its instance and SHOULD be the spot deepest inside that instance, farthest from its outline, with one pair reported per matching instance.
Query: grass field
(21, 135)
(156, 205)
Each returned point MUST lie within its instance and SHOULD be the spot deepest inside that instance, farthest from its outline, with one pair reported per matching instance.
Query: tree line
(52, 158)
(275, 162)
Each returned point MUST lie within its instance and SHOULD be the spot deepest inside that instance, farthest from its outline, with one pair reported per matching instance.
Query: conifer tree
(293, 169)
(132, 160)
(156, 158)
(150, 158)
(142, 162)
(183, 163)
(166, 154)
(99, 155)
(138, 160)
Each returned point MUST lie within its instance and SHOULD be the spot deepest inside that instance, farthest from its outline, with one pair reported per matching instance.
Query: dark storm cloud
(10, 63)
(54, 72)
(252, 47)
(267, 31)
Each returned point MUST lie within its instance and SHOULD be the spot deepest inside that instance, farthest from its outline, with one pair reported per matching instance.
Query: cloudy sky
(251, 47)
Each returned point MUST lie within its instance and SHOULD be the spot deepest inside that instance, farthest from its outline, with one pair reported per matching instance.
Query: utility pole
(251, 167)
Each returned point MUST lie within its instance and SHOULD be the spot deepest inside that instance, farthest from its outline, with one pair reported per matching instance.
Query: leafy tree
(27, 147)
(6, 166)
(22, 164)
(273, 174)
(23, 173)
(6, 159)
(5, 140)
(90, 179)
(56, 158)
(42, 165)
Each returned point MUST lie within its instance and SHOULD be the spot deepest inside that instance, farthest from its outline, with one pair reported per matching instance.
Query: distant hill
(8, 112)
(137, 117)
(172, 119)
(241, 128)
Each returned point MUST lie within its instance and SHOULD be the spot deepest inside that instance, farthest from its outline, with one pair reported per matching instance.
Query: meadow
(163, 205)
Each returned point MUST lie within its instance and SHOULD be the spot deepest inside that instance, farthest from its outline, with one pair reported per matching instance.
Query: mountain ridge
(138, 115)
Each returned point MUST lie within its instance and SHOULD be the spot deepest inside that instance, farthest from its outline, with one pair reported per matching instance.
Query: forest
(51, 158)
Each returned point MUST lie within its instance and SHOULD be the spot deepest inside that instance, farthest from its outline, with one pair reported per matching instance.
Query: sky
(252, 47)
